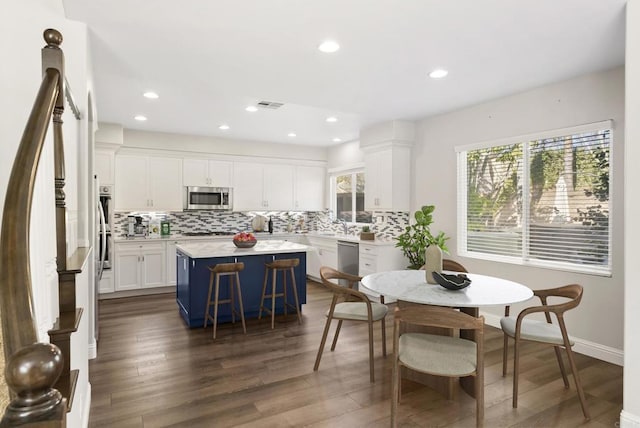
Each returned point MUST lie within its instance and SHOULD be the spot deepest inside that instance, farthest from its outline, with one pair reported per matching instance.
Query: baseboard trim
(93, 349)
(585, 347)
(628, 420)
(87, 407)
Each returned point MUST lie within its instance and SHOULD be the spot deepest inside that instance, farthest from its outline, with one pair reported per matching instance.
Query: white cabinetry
(379, 258)
(309, 188)
(106, 282)
(139, 265)
(262, 186)
(204, 172)
(325, 254)
(387, 178)
(148, 183)
(171, 261)
(104, 166)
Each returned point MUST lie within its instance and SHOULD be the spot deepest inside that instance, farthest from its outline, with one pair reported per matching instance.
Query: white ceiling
(209, 59)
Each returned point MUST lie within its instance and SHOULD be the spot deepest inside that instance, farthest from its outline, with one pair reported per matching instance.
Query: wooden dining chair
(519, 328)
(450, 265)
(435, 354)
(351, 305)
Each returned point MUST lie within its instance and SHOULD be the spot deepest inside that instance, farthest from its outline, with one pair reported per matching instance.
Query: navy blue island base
(193, 285)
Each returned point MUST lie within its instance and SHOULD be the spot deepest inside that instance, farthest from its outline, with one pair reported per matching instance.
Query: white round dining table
(412, 286)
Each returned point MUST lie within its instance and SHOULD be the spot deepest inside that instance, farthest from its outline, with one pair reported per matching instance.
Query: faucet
(344, 225)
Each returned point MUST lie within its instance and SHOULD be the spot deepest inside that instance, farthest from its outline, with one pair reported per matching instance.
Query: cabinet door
(104, 164)
(165, 184)
(309, 186)
(131, 183)
(220, 173)
(278, 187)
(127, 275)
(153, 268)
(248, 184)
(106, 282)
(195, 172)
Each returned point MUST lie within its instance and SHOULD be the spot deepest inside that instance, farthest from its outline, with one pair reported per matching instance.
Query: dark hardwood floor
(152, 371)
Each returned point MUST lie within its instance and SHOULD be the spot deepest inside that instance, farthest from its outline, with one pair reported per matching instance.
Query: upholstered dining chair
(437, 355)
(522, 328)
(349, 304)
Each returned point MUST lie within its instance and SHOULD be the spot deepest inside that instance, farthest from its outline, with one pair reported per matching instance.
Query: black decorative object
(450, 281)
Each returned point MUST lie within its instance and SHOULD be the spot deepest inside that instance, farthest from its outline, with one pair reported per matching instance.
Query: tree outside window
(349, 198)
(543, 201)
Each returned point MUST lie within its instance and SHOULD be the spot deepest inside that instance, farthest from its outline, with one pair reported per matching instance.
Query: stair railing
(36, 372)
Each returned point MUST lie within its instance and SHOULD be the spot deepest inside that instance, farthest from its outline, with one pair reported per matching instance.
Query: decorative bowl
(244, 239)
(451, 282)
(244, 244)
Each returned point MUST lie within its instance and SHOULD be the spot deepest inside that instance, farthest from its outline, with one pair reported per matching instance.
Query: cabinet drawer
(368, 250)
(367, 264)
(134, 246)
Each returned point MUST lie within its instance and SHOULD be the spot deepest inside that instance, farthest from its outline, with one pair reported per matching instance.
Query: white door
(220, 173)
(153, 268)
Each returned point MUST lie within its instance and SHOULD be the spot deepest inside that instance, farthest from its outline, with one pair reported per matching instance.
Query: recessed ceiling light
(332, 119)
(151, 95)
(438, 73)
(252, 109)
(291, 134)
(337, 140)
(328, 46)
(140, 118)
(223, 127)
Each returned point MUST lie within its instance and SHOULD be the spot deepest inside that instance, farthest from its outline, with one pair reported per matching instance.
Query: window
(348, 197)
(539, 200)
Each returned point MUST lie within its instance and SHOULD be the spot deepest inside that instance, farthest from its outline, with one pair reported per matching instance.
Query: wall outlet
(380, 219)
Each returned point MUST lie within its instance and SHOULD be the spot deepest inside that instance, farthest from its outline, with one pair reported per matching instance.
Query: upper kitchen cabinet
(309, 188)
(387, 165)
(148, 183)
(104, 166)
(204, 172)
(260, 187)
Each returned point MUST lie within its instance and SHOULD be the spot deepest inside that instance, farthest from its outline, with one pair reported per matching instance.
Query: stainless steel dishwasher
(348, 259)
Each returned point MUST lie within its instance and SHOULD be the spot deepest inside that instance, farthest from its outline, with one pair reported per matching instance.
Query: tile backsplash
(387, 225)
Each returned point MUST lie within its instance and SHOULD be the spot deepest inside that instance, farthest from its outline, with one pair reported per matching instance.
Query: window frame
(523, 259)
(333, 174)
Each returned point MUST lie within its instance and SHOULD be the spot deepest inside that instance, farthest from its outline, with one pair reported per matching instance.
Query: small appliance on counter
(137, 226)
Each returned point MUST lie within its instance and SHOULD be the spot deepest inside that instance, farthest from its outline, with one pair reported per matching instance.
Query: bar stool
(284, 266)
(224, 269)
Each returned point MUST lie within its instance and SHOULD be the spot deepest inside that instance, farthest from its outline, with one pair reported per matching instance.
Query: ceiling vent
(269, 104)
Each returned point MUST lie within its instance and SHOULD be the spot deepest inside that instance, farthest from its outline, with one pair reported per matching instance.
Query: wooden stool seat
(224, 269)
(284, 266)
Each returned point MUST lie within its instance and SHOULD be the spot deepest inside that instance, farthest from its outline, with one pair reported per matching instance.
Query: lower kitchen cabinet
(326, 254)
(171, 261)
(379, 258)
(140, 265)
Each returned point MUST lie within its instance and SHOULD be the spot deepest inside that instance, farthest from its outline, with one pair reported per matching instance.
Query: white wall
(344, 155)
(631, 405)
(198, 144)
(21, 28)
(598, 322)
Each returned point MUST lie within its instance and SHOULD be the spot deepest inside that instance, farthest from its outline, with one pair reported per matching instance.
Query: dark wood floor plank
(153, 371)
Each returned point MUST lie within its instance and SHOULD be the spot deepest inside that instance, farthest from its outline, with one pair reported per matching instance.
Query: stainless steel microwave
(208, 198)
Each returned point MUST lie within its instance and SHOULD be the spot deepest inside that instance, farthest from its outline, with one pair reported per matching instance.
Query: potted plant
(417, 237)
(366, 234)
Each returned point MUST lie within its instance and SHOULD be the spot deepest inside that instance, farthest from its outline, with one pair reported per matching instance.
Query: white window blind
(542, 200)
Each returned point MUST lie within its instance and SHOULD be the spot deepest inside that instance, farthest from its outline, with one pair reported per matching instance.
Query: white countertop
(201, 250)
(350, 238)
(411, 286)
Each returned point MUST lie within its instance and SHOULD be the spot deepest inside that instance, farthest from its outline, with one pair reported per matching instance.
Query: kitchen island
(193, 275)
